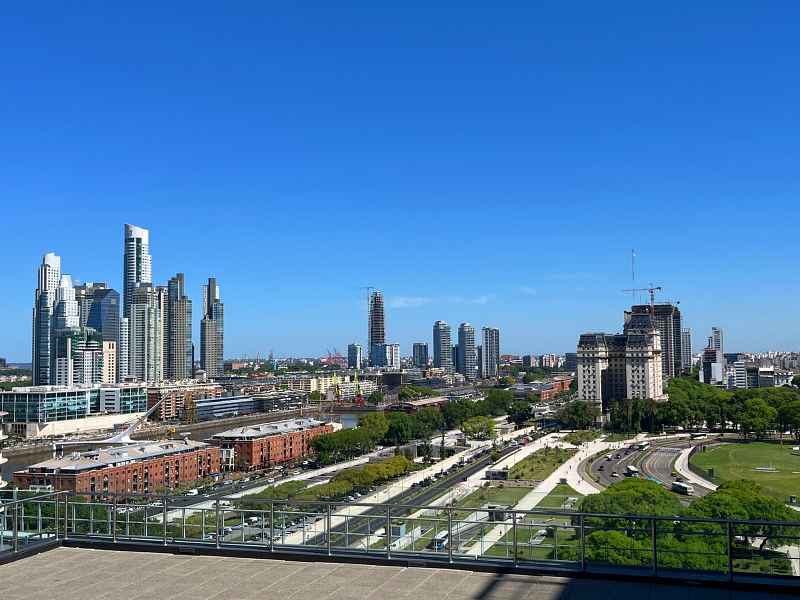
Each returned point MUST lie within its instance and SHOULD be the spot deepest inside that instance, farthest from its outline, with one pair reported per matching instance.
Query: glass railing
(560, 540)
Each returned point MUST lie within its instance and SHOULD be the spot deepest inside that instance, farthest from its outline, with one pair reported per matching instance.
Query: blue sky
(492, 163)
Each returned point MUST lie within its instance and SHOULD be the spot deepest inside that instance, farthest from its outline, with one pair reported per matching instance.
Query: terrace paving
(83, 574)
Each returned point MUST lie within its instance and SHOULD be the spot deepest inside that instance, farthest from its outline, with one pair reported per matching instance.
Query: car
(614, 474)
(601, 468)
(271, 480)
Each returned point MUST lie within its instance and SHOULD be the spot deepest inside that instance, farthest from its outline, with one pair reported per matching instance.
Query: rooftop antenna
(633, 275)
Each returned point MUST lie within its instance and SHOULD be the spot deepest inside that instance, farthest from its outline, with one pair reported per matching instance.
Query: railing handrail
(383, 505)
(33, 498)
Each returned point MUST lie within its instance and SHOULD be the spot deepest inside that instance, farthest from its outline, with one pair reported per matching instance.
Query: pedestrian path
(683, 469)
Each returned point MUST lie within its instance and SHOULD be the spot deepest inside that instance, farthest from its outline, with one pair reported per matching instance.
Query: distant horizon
(490, 166)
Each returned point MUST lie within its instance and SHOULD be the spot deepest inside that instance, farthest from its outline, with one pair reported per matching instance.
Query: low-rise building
(50, 410)
(175, 397)
(131, 469)
(268, 444)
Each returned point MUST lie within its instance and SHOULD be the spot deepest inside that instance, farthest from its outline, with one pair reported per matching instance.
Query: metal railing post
(91, 518)
(329, 529)
(514, 535)
(555, 543)
(450, 534)
(66, 516)
(39, 519)
(15, 528)
(729, 529)
(582, 531)
(272, 527)
(55, 514)
(655, 549)
(219, 529)
(114, 521)
(388, 536)
(164, 520)
(183, 523)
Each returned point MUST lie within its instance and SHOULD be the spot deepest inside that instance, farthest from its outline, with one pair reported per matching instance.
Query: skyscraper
(44, 302)
(100, 304)
(179, 330)
(419, 354)
(137, 264)
(123, 352)
(490, 354)
(146, 333)
(212, 331)
(467, 363)
(686, 350)
(376, 326)
(442, 348)
(354, 356)
(667, 320)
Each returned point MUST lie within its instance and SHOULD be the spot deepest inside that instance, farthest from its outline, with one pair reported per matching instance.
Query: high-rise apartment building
(110, 370)
(146, 333)
(98, 306)
(686, 350)
(419, 353)
(490, 351)
(442, 347)
(212, 331)
(467, 363)
(179, 330)
(44, 302)
(123, 353)
(355, 356)
(376, 326)
(137, 264)
(667, 318)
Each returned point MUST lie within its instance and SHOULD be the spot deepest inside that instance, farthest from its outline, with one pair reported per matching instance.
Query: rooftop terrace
(81, 574)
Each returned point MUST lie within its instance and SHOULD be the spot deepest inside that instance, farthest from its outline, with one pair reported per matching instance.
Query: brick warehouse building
(135, 468)
(267, 444)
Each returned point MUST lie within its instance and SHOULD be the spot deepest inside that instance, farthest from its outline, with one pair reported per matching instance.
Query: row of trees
(398, 428)
(682, 544)
(693, 405)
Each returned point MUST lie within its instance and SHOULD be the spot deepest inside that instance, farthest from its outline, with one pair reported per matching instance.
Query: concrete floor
(69, 573)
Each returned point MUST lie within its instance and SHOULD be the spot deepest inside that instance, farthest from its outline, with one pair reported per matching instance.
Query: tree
(796, 381)
(401, 429)
(315, 396)
(478, 428)
(520, 412)
(376, 397)
(509, 380)
(757, 417)
(578, 414)
(633, 497)
(375, 424)
(427, 422)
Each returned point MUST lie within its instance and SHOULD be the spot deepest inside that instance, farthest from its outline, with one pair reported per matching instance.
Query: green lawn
(508, 496)
(576, 438)
(738, 461)
(558, 496)
(619, 437)
(541, 463)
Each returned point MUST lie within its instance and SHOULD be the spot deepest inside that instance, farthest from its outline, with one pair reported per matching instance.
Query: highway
(655, 463)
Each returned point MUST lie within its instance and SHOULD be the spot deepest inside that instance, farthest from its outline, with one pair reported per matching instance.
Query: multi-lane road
(655, 463)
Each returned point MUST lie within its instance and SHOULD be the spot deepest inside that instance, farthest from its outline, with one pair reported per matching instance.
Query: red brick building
(267, 444)
(136, 468)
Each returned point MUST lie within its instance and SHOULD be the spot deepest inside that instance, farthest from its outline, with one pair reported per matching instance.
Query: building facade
(262, 446)
(178, 400)
(376, 326)
(137, 468)
(147, 333)
(355, 356)
(615, 367)
(49, 276)
(212, 331)
(179, 330)
(686, 350)
(490, 351)
(419, 353)
(467, 363)
(667, 320)
(442, 347)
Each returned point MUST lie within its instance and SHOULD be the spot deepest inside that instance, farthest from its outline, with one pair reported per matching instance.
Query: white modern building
(146, 335)
(467, 354)
(137, 263)
(49, 277)
(490, 351)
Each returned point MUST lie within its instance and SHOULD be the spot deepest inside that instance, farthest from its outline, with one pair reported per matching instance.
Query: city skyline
(504, 183)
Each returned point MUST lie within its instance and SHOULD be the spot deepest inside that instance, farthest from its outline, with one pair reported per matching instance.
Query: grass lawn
(558, 496)
(508, 496)
(541, 463)
(738, 461)
(576, 438)
(619, 437)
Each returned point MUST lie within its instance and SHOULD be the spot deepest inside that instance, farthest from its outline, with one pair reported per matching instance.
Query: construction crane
(652, 291)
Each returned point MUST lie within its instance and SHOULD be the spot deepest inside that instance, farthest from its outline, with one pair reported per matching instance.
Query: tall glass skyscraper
(179, 330)
(212, 331)
(137, 264)
(490, 351)
(376, 327)
(44, 303)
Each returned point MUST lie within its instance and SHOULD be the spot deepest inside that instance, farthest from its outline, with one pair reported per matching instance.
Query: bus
(440, 542)
(643, 446)
(682, 488)
(631, 471)
(698, 436)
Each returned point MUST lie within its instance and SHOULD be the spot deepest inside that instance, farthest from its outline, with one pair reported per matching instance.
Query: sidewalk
(682, 467)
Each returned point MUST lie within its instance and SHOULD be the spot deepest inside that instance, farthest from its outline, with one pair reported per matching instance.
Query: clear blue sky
(486, 162)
